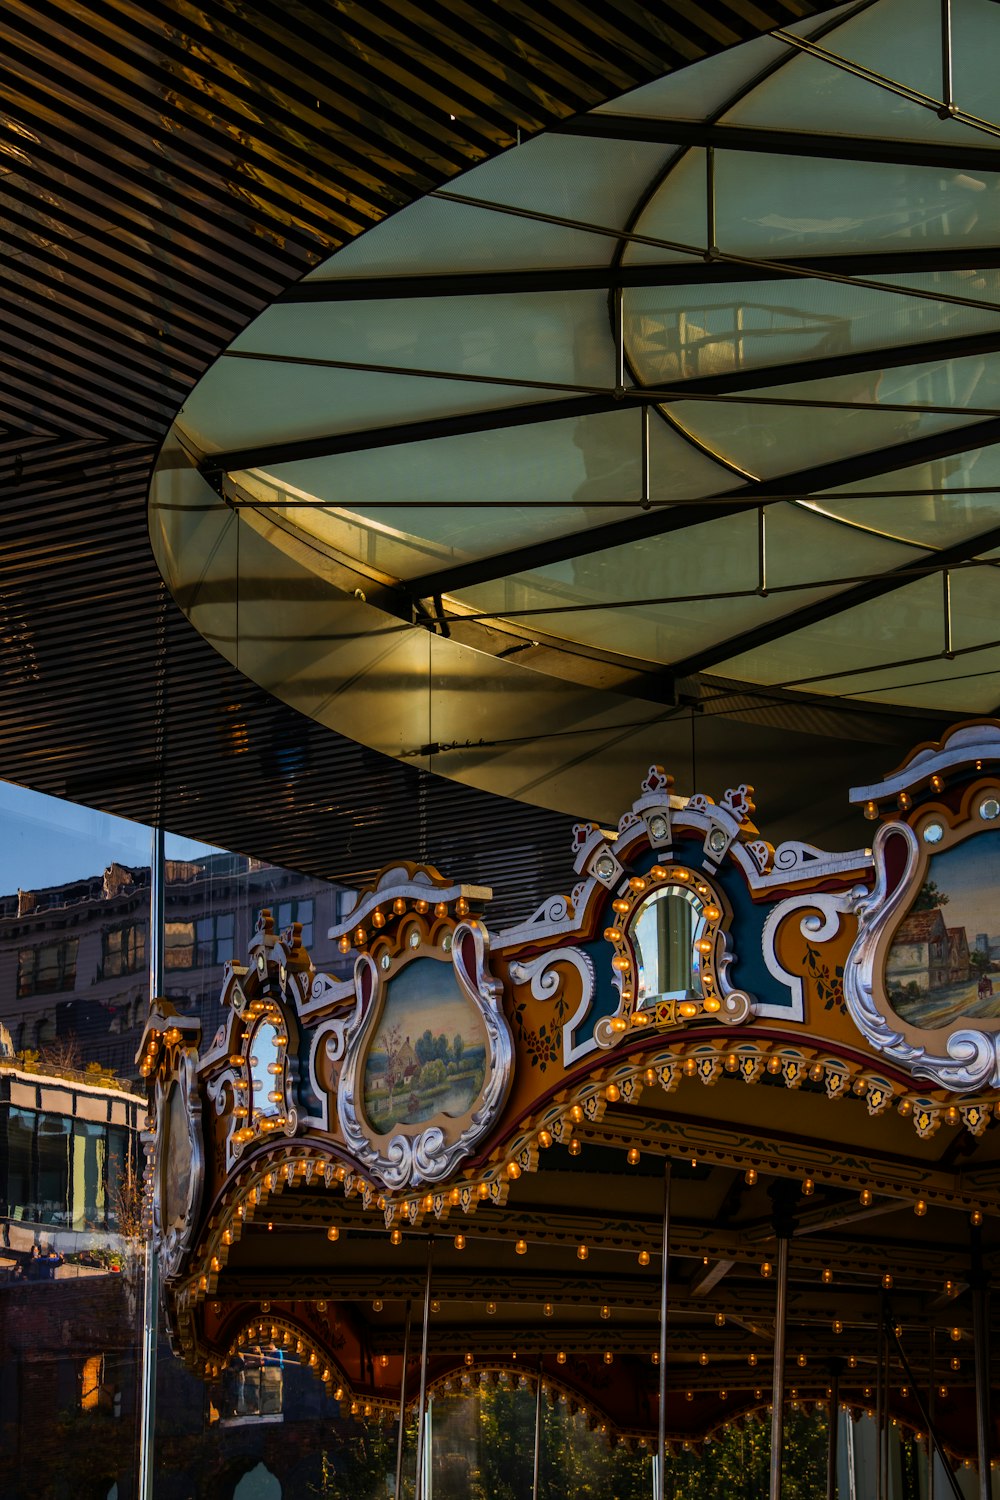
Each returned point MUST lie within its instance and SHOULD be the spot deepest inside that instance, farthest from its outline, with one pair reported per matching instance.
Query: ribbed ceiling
(166, 170)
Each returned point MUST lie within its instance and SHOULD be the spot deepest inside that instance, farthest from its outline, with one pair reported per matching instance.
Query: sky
(970, 873)
(45, 841)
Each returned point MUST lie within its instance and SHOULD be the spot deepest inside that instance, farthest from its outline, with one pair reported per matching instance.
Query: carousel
(711, 1134)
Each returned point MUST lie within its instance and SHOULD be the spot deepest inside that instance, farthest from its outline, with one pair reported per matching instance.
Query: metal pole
(886, 1428)
(778, 1383)
(661, 1440)
(926, 1417)
(536, 1467)
(402, 1404)
(834, 1432)
(981, 1358)
(930, 1414)
(879, 1414)
(423, 1373)
(151, 1288)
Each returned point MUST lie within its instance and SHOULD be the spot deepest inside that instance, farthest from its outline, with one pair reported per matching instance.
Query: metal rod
(778, 1383)
(711, 248)
(762, 551)
(423, 1374)
(932, 1364)
(661, 1434)
(947, 84)
(151, 1294)
(886, 1429)
(879, 1397)
(400, 1438)
(925, 1415)
(619, 301)
(981, 1359)
(536, 1465)
(645, 500)
(946, 587)
(833, 1425)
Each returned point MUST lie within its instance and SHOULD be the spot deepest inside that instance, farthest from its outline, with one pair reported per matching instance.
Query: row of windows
(51, 967)
(62, 1171)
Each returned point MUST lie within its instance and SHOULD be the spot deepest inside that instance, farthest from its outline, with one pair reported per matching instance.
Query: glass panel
(936, 519)
(676, 212)
(90, 1175)
(788, 206)
(866, 635)
(665, 929)
(240, 402)
(546, 336)
(53, 1140)
(773, 206)
(768, 441)
(698, 91)
(713, 560)
(588, 460)
(596, 182)
(20, 1204)
(265, 1065)
(901, 40)
(674, 334)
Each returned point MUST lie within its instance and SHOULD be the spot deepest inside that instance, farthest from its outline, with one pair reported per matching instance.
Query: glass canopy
(705, 383)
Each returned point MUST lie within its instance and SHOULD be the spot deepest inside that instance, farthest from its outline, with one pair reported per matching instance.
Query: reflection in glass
(667, 926)
(265, 1064)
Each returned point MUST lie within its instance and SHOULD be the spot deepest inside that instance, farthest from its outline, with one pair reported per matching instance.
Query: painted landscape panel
(428, 1055)
(944, 962)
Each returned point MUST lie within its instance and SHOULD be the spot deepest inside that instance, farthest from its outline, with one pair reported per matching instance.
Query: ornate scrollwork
(971, 1059)
(179, 1163)
(430, 1152)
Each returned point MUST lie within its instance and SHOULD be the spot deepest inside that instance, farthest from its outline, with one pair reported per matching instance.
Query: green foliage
(484, 1450)
(930, 896)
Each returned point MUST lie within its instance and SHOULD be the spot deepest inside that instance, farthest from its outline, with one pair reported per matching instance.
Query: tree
(930, 896)
(425, 1047)
(458, 1047)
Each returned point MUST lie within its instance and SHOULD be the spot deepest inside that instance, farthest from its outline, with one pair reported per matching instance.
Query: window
(178, 945)
(199, 944)
(64, 1172)
(296, 911)
(91, 1380)
(49, 967)
(123, 950)
(216, 936)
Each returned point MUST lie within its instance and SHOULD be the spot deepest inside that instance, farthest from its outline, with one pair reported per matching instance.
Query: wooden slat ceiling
(166, 170)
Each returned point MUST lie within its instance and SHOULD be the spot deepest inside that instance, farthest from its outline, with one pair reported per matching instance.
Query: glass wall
(74, 992)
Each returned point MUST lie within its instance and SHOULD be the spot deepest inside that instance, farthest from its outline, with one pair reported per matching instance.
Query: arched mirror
(665, 932)
(266, 1069)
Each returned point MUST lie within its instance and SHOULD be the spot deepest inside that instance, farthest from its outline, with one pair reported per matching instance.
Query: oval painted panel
(428, 1055)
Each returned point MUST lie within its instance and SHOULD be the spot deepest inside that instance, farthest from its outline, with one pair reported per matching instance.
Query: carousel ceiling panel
(165, 174)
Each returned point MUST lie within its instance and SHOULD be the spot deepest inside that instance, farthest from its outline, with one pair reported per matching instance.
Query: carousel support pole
(401, 1435)
(537, 1463)
(422, 1402)
(981, 1359)
(931, 1365)
(834, 1430)
(151, 1287)
(886, 1424)
(661, 1433)
(784, 1196)
(879, 1399)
